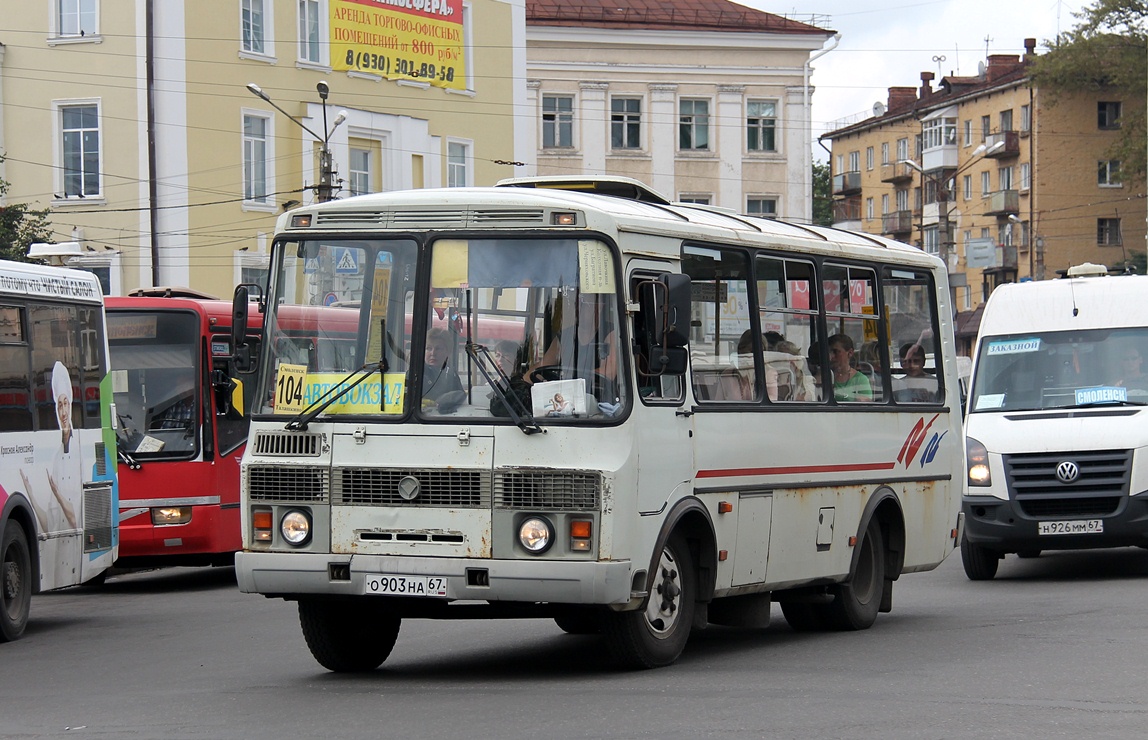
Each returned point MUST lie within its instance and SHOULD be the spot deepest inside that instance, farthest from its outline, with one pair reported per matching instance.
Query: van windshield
(1064, 369)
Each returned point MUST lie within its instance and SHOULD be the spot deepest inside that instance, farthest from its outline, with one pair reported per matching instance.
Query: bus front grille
(287, 444)
(547, 489)
(287, 483)
(97, 516)
(464, 489)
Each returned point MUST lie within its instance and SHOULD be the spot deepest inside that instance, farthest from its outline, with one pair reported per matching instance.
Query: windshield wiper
(300, 421)
(1108, 402)
(525, 420)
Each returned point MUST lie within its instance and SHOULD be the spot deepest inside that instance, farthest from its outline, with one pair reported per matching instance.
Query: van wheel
(656, 635)
(15, 582)
(980, 562)
(345, 637)
(857, 601)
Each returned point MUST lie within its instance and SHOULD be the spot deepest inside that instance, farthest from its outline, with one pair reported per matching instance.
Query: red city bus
(181, 418)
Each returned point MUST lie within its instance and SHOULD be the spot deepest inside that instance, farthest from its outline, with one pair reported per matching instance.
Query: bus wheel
(857, 601)
(346, 637)
(803, 617)
(15, 582)
(579, 622)
(980, 562)
(656, 635)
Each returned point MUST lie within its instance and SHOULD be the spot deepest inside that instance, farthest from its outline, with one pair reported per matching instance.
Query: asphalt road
(1054, 647)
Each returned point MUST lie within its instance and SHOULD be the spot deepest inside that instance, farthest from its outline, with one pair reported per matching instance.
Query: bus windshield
(155, 355)
(1061, 369)
(524, 328)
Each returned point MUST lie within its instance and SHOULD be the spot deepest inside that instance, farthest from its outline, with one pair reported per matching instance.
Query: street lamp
(943, 240)
(324, 191)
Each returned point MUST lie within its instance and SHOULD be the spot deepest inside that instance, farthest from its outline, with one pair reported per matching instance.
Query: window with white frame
(854, 161)
(80, 150)
(1004, 178)
(693, 124)
(557, 121)
(256, 157)
(359, 177)
(868, 158)
(311, 29)
(761, 206)
(902, 149)
(932, 239)
(253, 26)
(986, 127)
(1108, 232)
(1006, 120)
(457, 164)
(902, 199)
(884, 152)
(868, 209)
(839, 160)
(626, 123)
(885, 204)
(1108, 114)
(761, 126)
(1108, 173)
(986, 182)
(1025, 176)
(77, 17)
(701, 199)
(967, 187)
(1026, 117)
(967, 133)
(938, 132)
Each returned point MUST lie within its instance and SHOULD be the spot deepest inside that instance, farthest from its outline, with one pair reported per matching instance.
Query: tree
(20, 226)
(1106, 51)
(822, 194)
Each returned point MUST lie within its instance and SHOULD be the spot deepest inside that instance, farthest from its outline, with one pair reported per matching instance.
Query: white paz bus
(58, 502)
(573, 399)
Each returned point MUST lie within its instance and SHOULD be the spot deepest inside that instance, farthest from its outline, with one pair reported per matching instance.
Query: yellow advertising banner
(298, 389)
(417, 40)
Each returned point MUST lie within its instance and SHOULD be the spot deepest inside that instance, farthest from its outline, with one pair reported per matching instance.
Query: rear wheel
(345, 637)
(857, 601)
(980, 562)
(656, 635)
(803, 616)
(15, 582)
(579, 622)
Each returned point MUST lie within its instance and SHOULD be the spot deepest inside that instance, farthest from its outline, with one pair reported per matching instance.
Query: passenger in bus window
(793, 383)
(849, 385)
(438, 377)
(916, 386)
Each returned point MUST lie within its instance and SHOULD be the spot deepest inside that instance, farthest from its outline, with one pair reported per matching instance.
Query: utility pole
(325, 190)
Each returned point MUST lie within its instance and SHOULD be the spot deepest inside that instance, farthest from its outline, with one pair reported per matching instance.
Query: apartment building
(987, 173)
(707, 101)
(166, 137)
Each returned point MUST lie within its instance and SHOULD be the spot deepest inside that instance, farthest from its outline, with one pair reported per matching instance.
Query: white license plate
(1075, 526)
(404, 585)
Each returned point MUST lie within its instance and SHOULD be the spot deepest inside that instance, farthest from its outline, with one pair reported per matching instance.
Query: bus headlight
(536, 534)
(295, 527)
(978, 458)
(171, 515)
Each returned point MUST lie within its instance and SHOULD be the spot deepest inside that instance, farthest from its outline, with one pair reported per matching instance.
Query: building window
(1006, 120)
(967, 132)
(902, 149)
(695, 198)
(557, 121)
(902, 200)
(986, 182)
(1025, 176)
(885, 204)
(761, 122)
(80, 150)
(986, 127)
(360, 173)
(932, 239)
(253, 22)
(457, 170)
(884, 152)
(868, 209)
(1108, 115)
(967, 187)
(1026, 118)
(1108, 232)
(77, 17)
(938, 132)
(1004, 178)
(310, 31)
(766, 207)
(626, 123)
(840, 168)
(256, 138)
(694, 124)
(869, 158)
(854, 161)
(1108, 173)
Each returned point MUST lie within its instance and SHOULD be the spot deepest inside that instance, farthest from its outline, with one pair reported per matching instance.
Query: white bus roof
(1066, 304)
(44, 281)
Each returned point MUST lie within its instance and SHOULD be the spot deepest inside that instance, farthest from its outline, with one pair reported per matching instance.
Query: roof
(684, 15)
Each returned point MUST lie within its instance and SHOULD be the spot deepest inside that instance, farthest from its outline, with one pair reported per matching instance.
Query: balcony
(1002, 203)
(897, 223)
(896, 172)
(1011, 146)
(847, 183)
(846, 210)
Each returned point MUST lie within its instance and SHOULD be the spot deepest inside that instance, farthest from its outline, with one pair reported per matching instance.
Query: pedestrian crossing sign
(346, 261)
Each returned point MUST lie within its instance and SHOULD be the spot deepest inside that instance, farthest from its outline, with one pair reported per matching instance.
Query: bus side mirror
(240, 349)
(665, 304)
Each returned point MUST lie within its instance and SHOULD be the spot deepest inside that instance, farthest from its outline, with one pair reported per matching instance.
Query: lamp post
(325, 190)
(942, 199)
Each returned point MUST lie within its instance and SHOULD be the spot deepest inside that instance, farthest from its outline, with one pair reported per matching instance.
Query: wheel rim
(664, 605)
(12, 584)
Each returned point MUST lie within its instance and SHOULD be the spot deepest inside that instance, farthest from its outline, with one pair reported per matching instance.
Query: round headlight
(536, 535)
(295, 526)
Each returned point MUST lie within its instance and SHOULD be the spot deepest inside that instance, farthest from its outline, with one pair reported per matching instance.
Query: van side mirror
(665, 304)
(240, 349)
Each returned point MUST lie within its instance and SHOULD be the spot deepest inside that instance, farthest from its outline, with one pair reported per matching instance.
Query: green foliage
(822, 194)
(1107, 51)
(20, 226)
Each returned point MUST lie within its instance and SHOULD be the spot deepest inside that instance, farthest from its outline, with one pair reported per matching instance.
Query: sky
(888, 43)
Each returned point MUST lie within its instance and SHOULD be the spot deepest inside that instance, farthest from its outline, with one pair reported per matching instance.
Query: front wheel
(15, 582)
(656, 635)
(980, 562)
(347, 637)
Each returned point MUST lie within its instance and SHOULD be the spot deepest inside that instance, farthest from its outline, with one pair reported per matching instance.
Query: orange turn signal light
(580, 530)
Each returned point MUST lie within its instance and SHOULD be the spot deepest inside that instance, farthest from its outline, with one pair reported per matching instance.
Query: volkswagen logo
(1067, 471)
(409, 487)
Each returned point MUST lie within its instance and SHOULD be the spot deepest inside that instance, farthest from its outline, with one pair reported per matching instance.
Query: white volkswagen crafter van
(1057, 422)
